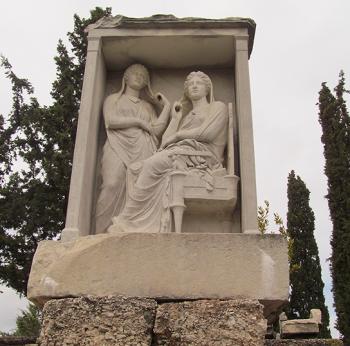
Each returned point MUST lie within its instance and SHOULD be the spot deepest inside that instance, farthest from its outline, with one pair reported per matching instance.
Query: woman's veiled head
(137, 74)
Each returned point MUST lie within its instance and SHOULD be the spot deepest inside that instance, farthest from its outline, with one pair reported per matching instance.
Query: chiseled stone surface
(210, 322)
(163, 266)
(304, 342)
(98, 321)
(291, 328)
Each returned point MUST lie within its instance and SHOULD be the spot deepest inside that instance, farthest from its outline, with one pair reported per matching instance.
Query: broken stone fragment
(300, 327)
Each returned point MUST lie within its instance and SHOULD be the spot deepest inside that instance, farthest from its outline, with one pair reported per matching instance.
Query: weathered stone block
(210, 322)
(295, 327)
(163, 266)
(98, 321)
(291, 329)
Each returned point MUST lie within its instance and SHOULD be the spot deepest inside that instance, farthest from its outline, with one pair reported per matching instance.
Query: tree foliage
(29, 322)
(263, 225)
(263, 217)
(36, 151)
(305, 269)
(335, 122)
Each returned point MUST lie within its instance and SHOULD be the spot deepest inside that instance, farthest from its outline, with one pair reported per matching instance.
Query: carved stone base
(291, 329)
(164, 266)
(139, 321)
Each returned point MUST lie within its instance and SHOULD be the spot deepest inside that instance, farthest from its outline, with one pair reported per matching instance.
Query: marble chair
(192, 193)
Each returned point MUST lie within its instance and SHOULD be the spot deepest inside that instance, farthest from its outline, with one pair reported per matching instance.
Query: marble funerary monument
(162, 201)
(171, 49)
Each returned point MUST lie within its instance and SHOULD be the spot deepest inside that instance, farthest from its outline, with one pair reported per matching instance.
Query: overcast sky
(298, 45)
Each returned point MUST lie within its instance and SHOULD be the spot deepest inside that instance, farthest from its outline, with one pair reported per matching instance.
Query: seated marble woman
(196, 137)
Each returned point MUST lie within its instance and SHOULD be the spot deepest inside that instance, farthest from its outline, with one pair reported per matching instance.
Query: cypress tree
(305, 269)
(39, 140)
(335, 122)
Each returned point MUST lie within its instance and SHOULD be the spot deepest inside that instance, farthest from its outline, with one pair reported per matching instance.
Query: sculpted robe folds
(147, 205)
(132, 144)
(122, 147)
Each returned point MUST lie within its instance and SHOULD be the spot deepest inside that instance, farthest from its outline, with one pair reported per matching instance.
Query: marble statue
(133, 133)
(193, 143)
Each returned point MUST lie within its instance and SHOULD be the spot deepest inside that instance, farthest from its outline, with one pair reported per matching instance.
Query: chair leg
(178, 212)
(177, 203)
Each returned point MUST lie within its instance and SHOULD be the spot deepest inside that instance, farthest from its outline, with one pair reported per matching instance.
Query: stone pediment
(170, 21)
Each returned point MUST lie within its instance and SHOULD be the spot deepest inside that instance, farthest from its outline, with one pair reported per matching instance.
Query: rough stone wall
(138, 321)
(210, 322)
(117, 320)
(98, 321)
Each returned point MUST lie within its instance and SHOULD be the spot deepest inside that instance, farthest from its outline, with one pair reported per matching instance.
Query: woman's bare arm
(205, 133)
(160, 124)
(121, 122)
(176, 116)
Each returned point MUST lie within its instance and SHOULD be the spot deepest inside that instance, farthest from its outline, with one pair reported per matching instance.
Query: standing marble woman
(133, 130)
(198, 128)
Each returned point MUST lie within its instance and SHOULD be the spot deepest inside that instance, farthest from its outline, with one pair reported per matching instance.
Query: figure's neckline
(199, 110)
(133, 98)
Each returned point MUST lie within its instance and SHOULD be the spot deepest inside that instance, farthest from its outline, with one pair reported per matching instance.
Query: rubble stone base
(98, 321)
(210, 322)
(125, 321)
(118, 320)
